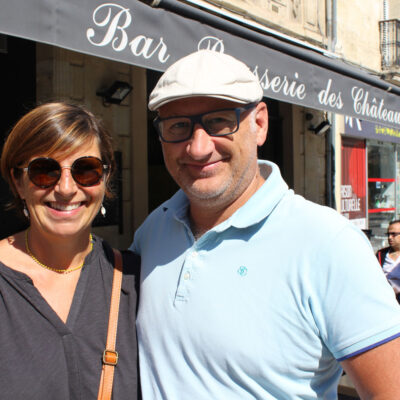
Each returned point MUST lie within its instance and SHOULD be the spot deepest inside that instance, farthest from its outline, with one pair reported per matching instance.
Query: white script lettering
(283, 85)
(374, 108)
(211, 43)
(334, 100)
(116, 33)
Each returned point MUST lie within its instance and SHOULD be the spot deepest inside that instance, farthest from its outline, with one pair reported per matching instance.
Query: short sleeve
(353, 305)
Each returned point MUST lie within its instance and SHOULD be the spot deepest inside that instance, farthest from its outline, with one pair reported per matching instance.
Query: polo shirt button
(195, 254)
(186, 276)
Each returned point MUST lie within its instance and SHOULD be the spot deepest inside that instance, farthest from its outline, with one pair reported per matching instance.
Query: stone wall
(298, 18)
(394, 9)
(358, 32)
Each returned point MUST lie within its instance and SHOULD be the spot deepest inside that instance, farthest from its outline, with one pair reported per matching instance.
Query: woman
(56, 277)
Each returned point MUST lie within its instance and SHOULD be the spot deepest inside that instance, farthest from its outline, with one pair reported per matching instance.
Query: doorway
(18, 83)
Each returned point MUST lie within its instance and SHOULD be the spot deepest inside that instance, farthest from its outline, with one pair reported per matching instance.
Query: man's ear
(261, 118)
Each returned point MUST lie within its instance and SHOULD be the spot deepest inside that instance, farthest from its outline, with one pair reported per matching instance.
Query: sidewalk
(346, 389)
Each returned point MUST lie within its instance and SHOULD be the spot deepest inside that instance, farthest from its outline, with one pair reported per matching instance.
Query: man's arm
(376, 372)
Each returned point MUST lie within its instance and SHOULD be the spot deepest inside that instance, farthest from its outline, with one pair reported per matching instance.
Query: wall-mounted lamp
(116, 93)
(320, 128)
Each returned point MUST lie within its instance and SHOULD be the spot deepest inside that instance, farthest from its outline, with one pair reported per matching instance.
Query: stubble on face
(233, 174)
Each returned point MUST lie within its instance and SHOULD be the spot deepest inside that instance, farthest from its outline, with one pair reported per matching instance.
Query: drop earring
(103, 211)
(25, 209)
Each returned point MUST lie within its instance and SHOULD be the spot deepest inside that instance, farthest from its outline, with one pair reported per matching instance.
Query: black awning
(132, 32)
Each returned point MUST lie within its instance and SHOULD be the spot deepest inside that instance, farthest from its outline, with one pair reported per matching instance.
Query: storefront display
(370, 160)
(381, 189)
(353, 190)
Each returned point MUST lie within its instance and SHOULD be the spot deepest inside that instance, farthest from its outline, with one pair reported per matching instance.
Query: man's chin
(202, 195)
(203, 191)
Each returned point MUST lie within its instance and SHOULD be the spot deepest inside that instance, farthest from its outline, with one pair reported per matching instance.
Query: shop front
(370, 185)
(132, 33)
(135, 33)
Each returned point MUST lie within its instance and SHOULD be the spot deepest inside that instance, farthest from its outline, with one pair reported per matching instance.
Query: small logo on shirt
(242, 271)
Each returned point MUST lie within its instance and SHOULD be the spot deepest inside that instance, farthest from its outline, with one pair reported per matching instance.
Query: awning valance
(132, 32)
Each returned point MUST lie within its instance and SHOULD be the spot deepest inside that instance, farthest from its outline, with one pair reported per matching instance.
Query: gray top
(42, 357)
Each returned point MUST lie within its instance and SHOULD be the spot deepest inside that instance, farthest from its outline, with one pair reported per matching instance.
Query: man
(247, 290)
(389, 257)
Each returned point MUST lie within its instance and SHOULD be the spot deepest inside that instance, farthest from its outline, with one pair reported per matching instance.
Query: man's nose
(201, 144)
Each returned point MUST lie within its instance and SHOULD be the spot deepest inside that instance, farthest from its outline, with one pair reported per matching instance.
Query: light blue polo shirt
(261, 306)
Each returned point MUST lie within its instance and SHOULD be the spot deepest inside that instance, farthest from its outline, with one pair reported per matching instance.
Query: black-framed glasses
(394, 234)
(45, 172)
(215, 123)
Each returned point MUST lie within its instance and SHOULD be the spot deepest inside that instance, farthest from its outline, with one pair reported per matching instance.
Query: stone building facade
(310, 163)
(350, 31)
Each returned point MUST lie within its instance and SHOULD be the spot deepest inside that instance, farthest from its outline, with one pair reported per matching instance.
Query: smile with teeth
(63, 206)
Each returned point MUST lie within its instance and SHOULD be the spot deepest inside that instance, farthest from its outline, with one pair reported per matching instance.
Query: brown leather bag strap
(110, 356)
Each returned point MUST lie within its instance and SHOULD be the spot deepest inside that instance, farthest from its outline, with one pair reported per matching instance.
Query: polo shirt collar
(258, 207)
(262, 203)
(178, 204)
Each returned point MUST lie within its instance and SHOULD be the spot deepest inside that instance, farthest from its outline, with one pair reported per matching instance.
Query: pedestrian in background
(389, 257)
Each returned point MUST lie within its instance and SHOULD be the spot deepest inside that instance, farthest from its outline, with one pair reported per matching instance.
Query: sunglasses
(394, 234)
(45, 172)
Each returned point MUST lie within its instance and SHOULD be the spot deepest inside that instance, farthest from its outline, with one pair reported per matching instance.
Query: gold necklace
(59, 271)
